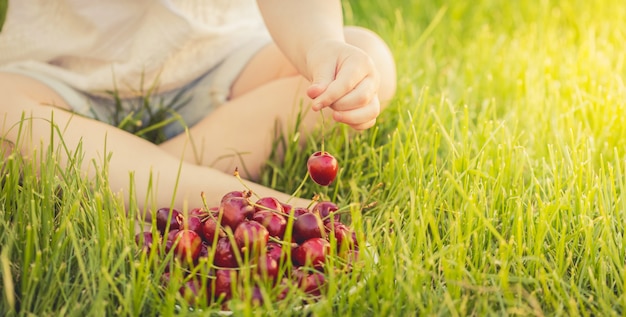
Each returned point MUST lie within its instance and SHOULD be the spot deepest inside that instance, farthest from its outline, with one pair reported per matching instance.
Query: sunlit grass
(497, 174)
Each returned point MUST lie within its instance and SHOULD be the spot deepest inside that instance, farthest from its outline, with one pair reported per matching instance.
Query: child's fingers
(349, 74)
(322, 77)
(315, 90)
(360, 118)
(359, 97)
(364, 126)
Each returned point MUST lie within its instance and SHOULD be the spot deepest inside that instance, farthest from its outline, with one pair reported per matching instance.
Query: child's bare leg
(24, 95)
(269, 90)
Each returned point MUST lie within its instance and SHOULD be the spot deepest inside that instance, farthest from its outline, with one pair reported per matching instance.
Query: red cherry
(298, 211)
(269, 203)
(235, 210)
(275, 223)
(286, 208)
(171, 236)
(343, 234)
(198, 212)
(326, 210)
(235, 193)
(251, 235)
(204, 252)
(224, 254)
(192, 223)
(145, 240)
(307, 226)
(257, 296)
(191, 291)
(310, 282)
(322, 168)
(165, 216)
(267, 267)
(274, 250)
(187, 245)
(284, 288)
(312, 252)
(222, 283)
(210, 227)
(168, 245)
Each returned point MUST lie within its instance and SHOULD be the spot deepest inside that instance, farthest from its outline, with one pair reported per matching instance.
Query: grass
(498, 174)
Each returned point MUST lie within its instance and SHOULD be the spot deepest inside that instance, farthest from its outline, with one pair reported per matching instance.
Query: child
(234, 70)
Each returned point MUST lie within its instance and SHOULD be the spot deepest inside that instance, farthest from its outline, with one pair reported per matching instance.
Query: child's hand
(344, 78)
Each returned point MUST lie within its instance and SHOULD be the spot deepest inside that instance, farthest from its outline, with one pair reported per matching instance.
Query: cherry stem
(236, 174)
(316, 198)
(323, 128)
(306, 177)
(204, 203)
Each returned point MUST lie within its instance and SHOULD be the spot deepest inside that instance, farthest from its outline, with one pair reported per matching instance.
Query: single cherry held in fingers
(322, 167)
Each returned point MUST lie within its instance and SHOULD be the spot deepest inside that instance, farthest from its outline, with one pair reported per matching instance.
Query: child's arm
(343, 77)
(123, 151)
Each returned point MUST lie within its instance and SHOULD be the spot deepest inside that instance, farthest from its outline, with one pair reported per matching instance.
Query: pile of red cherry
(263, 240)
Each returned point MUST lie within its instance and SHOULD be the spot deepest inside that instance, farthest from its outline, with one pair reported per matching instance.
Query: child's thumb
(322, 77)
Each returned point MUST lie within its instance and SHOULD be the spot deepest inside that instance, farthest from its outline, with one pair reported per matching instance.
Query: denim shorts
(168, 113)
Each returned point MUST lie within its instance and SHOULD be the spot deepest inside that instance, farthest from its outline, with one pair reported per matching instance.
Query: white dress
(98, 45)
